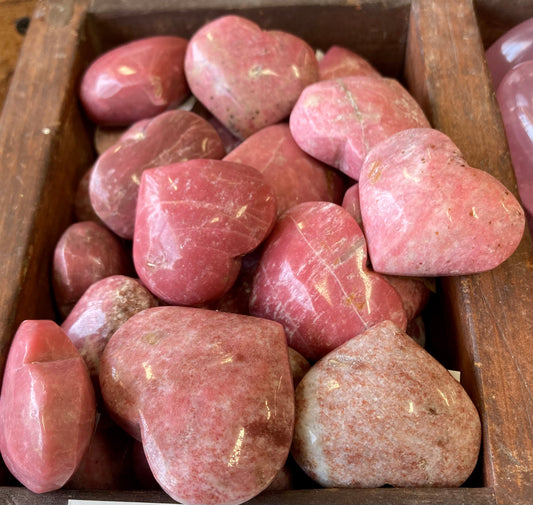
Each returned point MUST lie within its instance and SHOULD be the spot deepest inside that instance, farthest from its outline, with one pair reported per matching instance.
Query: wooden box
(481, 325)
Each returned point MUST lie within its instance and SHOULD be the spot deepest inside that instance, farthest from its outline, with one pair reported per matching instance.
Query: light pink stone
(209, 393)
(339, 61)
(85, 253)
(170, 137)
(313, 278)
(294, 176)
(380, 410)
(426, 212)
(194, 222)
(338, 121)
(136, 80)
(246, 77)
(47, 407)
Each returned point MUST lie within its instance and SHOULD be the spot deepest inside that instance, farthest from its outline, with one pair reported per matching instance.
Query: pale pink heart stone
(380, 410)
(47, 407)
(194, 222)
(246, 77)
(313, 278)
(210, 395)
(339, 120)
(426, 212)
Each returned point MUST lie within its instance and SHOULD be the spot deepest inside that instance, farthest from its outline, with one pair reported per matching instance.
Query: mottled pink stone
(338, 121)
(313, 278)
(294, 176)
(299, 366)
(170, 137)
(426, 212)
(194, 222)
(210, 395)
(101, 310)
(85, 253)
(246, 77)
(47, 407)
(136, 80)
(381, 410)
(339, 61)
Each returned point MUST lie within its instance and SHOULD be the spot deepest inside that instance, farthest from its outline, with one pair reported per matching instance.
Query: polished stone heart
(313, 278)
(194, 222)
(47, 407)
(427, 212)
(339, 120)
(210, 395)
(380, 410)
(246, 77)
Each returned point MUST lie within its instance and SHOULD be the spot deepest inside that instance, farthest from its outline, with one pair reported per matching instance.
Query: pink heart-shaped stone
(210, 395)
(246, 77)
(339, 120)
(47, 407)
(313, 278)
(381, 410)
(427, 212)
(194, 222)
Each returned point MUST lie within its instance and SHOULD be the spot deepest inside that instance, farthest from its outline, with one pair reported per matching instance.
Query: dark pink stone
(380, 410)
(294, 176)
(339, 61)
(195, 220)
(85, 253)
(338, 121)
(416, 329)
(209, 393)
(170, 137)
(426, 212)
(47, 407)
(299, 366)
(105, 137)
(101, 310)
(515, 96)
(83, 208)
(248, 78)
(135, 81)
(513, 47)
(313, 279)
(107, 463)
(414, 292)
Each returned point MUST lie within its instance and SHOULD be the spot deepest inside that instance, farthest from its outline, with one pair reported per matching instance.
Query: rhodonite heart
(246, 77)
(381, 410)
(313, 278)
(427, 212)
(210, 395)
(194, 222)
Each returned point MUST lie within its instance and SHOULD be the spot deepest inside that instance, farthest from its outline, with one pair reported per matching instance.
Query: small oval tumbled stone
(135, 81)
(337, 121)
(339, 61)
(194, 222)
(426, 212)
(101, 310)
(380, 410)
(210, 395)
(47, 407)
(247, 77)
(85, 253)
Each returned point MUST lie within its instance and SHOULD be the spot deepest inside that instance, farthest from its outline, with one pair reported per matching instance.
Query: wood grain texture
(491, 313)
(10, 39)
